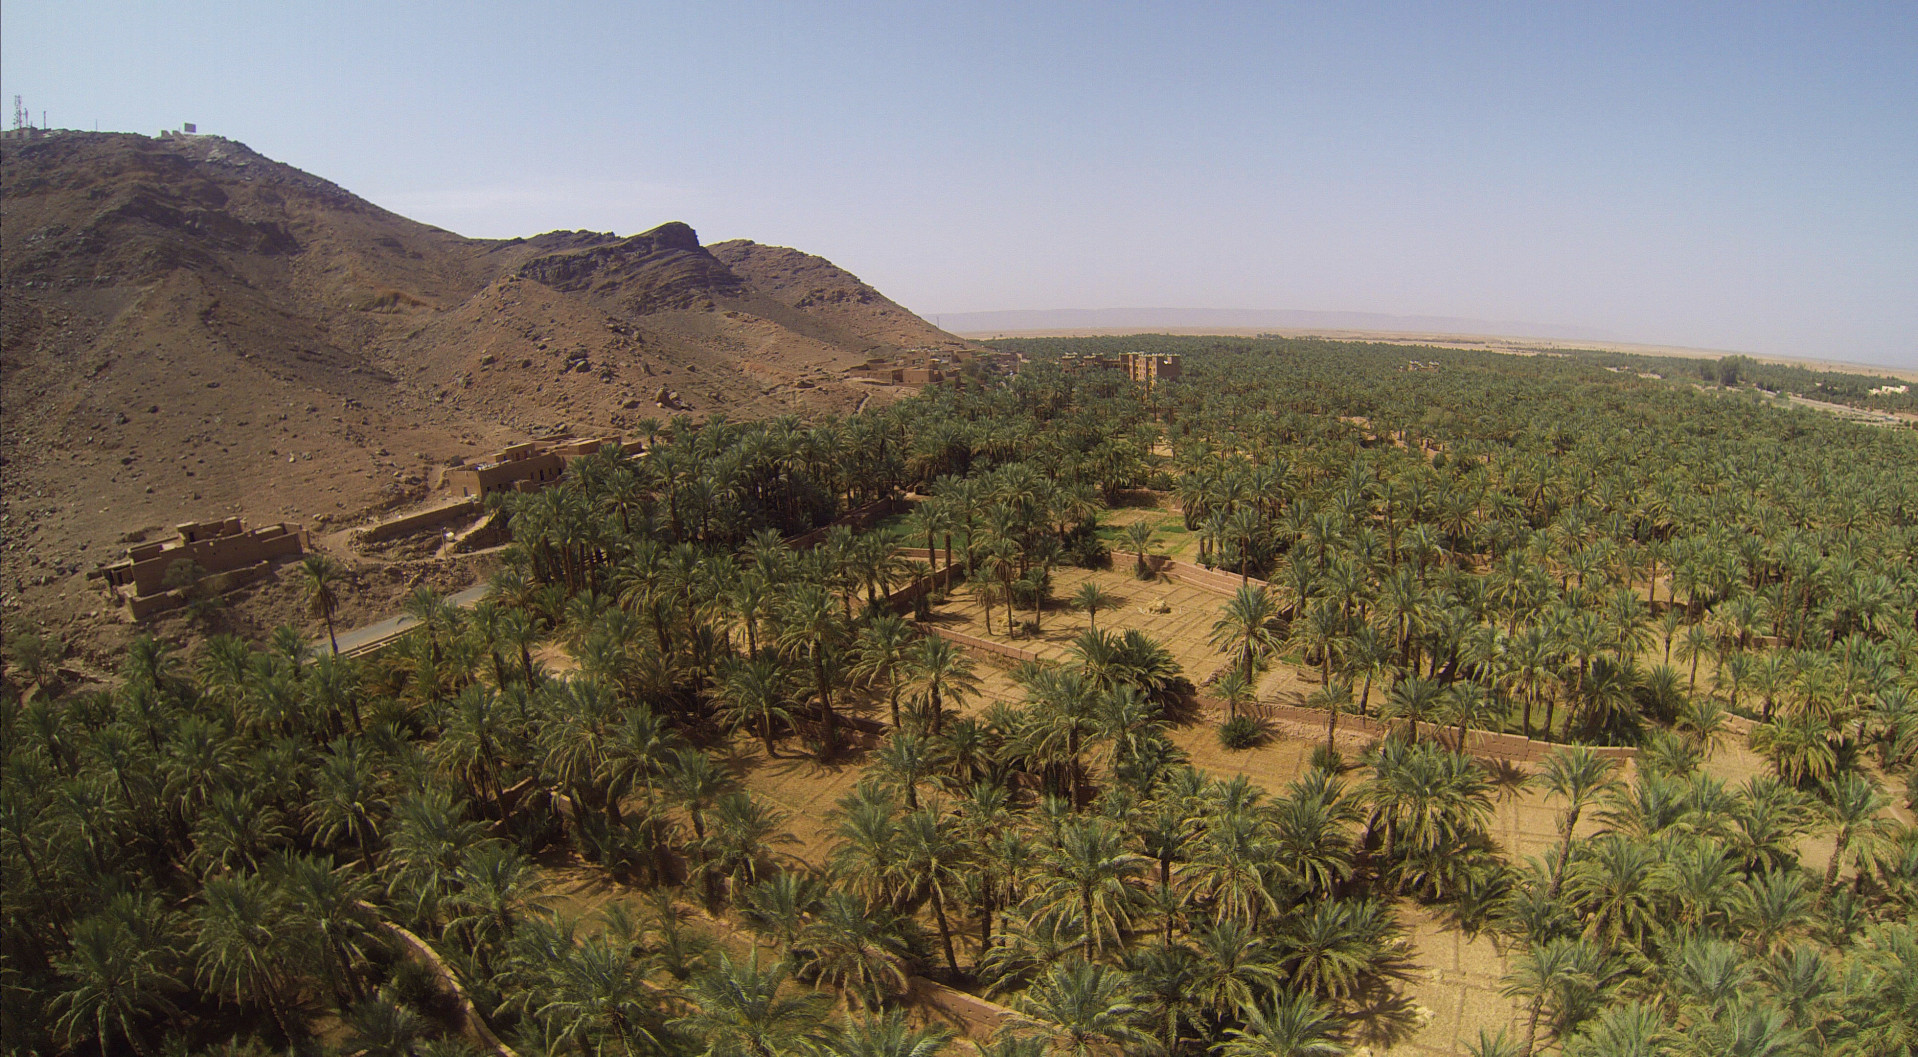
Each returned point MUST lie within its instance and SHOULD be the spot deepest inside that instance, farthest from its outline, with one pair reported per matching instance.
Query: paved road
(386, 630)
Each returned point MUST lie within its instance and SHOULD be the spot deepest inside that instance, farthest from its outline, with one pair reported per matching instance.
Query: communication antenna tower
(19, 113)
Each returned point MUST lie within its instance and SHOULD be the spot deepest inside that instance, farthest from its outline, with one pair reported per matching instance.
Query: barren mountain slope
(191, 330)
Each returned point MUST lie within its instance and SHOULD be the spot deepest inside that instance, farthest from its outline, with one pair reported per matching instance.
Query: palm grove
(226, 851)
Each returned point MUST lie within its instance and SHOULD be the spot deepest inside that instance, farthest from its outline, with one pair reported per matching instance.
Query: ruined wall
(145, 571)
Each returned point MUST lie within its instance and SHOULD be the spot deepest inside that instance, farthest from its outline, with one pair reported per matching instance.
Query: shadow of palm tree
(1508, 778)
(1382, 1017)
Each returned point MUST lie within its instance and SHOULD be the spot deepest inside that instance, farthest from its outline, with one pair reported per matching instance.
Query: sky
(1739, 176)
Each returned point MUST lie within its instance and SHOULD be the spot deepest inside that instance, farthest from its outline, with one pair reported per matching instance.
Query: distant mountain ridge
(1239, 319)
(191, 330)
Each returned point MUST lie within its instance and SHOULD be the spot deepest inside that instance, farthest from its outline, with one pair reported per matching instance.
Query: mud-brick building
(888, 372)
(225, 548)
(520, 468)
(1151, 367)
(527, 467)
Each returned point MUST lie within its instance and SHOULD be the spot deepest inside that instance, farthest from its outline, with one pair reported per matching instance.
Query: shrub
(1328, 759)
(1241, 732)
(1087, 551)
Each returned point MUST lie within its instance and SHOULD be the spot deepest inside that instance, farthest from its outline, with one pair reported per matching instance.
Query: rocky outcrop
(657, 270)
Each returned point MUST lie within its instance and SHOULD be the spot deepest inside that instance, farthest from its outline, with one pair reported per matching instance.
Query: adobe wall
(901, 600)
(408, 524)
(1198, 575)
(148, 569)
(471, 1023)
(986, 646)
(859, 520)
(1513, 747)
(510, 475)
(139, 607)
(975, 1017)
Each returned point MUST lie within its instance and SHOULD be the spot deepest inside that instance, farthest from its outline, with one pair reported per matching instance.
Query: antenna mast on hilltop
(19, 113)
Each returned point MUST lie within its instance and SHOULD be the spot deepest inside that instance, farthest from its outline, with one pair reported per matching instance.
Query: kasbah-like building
(225, 554)
(1146, 368)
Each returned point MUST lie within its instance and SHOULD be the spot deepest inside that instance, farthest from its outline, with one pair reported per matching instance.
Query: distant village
(219, 556)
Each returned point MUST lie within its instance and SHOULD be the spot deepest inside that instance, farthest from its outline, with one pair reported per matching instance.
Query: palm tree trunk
(1086, 901)
(1564, 855)
(985, 932)
(1531, 1026)
(829, 739)
(945, 929)
(1831, 870)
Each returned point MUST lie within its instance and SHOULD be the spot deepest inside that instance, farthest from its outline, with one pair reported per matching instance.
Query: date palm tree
(1854, 806)
(887, 1035)
(860, 949)
(938, 673)
(1291, 1025)
(1090, 599)
(1613, 888)
(1248, 628)
(739, 1009)
(778, 907)
(1163, 977)
(906, 760)
(1413, 698)
(1088, 1007)
(495, 887)
(1579, 777)
(241, 950)
(745, 828)
(1236, 969)
(111, 986)
(811, 627)
(592, 997)
(1089, 876)
(1139, 535)
(880, 654)
(326, 912)
(1545, 973)
(1234, 867)
(320, 577)
(755, 692)
(1333, 951)
(933, 862)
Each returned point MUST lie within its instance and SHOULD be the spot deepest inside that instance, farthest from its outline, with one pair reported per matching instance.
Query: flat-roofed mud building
(225, 551)
(526, 467)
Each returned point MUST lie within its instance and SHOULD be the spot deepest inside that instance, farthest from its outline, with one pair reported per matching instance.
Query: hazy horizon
(1729, 176)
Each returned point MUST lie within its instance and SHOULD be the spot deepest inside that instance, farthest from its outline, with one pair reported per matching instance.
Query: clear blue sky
(1741, 176)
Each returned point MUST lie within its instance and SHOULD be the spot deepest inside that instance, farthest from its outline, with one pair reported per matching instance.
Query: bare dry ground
(1451, 988)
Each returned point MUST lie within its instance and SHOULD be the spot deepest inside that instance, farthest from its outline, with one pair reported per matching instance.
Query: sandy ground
(1451, 989)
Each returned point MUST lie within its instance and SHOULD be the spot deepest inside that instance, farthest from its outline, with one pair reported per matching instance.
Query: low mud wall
(472, 1024)
(140, 607)
(858, 520)
(419, 520)
(975, 1017)
(1215, 580)
(979, 645)
(1310, 722)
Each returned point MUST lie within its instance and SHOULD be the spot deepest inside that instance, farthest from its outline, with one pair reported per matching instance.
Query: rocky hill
(192, 330)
